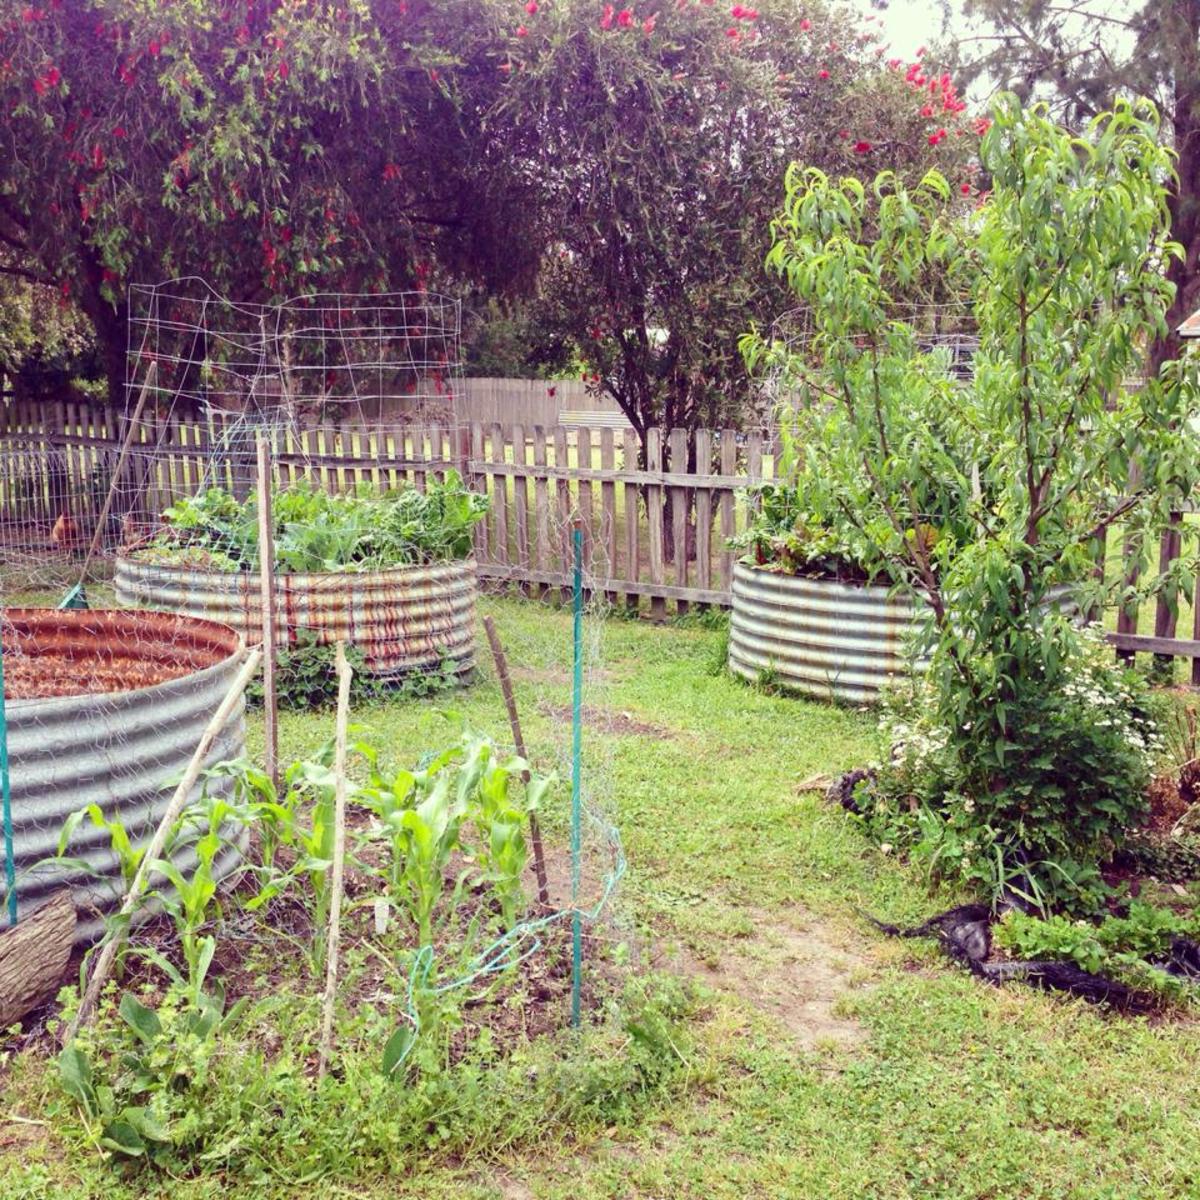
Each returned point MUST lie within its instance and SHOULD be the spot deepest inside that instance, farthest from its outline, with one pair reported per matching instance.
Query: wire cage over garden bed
(106, 708)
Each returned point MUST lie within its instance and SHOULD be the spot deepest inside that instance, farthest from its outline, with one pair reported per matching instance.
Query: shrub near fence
(654, 533)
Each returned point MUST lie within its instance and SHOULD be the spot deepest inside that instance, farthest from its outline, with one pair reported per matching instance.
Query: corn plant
(500, 823)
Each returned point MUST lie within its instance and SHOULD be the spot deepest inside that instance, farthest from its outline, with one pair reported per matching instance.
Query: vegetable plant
(315, 530)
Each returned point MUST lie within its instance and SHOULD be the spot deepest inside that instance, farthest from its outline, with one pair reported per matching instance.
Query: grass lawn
(827, 1061)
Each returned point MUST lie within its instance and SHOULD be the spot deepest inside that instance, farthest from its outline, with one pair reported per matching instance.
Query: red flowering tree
(272, 147)
(663, 132)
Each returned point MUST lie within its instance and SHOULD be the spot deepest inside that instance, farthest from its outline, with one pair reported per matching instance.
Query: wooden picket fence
(655, 531)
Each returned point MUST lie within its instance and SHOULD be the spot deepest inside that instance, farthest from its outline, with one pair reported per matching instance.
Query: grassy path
(928, 1084)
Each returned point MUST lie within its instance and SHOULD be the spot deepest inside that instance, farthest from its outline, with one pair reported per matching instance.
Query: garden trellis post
(266, 568)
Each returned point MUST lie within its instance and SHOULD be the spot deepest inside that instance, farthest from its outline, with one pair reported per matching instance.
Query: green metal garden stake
(576, 771)
(10, 856)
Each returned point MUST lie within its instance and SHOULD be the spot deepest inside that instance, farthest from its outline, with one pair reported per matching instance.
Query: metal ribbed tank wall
(835, 641)
(119, 748)
(403, 619)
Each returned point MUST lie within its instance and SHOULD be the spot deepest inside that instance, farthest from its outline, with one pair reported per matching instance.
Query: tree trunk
(33, 957)
(1184, 198)
(111, 324)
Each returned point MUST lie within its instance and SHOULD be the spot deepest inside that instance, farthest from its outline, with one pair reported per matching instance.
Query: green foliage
(1125, 947)
(984, 496)
(151, 1087)
(657, 159)
(1078, 778)
(314, 530)
(305, 677)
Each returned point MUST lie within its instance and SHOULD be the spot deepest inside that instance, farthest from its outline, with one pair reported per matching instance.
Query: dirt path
(794, 970)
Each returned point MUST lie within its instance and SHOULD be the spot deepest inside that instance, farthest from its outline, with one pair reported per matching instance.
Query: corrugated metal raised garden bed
(819, 637)
(106, 708)
(403, 619)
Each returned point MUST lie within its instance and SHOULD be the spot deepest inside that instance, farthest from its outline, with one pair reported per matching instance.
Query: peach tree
(1023, 756)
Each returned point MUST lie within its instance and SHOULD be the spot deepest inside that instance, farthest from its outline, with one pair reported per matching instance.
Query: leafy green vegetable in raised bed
(363, 530)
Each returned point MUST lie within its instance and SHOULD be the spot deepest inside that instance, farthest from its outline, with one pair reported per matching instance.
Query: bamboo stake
(514, 720)
(154, 850)
(345, 674)
(266, 569)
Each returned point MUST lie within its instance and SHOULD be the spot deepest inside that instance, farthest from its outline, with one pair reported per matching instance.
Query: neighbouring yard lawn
(828, 1061)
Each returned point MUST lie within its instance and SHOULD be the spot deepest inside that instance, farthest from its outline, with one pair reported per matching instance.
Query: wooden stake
(131, 429)
(266, 573)
(345, 674)
(154, 850)
(514, 720)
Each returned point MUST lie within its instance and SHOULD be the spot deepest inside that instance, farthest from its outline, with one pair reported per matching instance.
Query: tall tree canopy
(622, 165)
(271, 147)
(665, 134)
(1083, 54)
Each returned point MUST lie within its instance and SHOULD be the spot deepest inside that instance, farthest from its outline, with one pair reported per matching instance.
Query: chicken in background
(66, 534)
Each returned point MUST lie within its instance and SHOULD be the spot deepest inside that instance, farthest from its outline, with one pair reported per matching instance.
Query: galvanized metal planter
(117, 749)
(403, 620)
(835, 641)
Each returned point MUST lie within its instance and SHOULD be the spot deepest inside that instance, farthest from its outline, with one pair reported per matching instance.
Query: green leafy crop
(314, 530)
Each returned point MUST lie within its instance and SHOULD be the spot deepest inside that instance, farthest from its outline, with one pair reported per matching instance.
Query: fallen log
(33, 957)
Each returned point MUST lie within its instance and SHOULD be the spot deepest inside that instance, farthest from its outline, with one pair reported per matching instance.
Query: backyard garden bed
(110, 707)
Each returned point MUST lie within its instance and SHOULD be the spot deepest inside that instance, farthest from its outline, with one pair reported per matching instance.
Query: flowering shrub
(1071, 785)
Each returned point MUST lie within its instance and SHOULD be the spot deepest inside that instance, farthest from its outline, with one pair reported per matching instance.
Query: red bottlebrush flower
(862, 147)
(285, 234)
(119, 131)
(108, 275)
(966, 189)
(920, 51)
(505, 67)
(736, 12)
(927, 111)
(97, 158)
(606, 18)
(284, 69)
(805, 25)
(822, 74)
(52, 77)
(552, 392)
(934, 139)
(433, 75)
(732, 33)
(649, 23)
(242, 36)
(39, 86)
(531, 7)
(942, 133)
(522, 31)
(894, 63)
(844, 134)
(155, 48)
(391, 171)
(625, 18)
